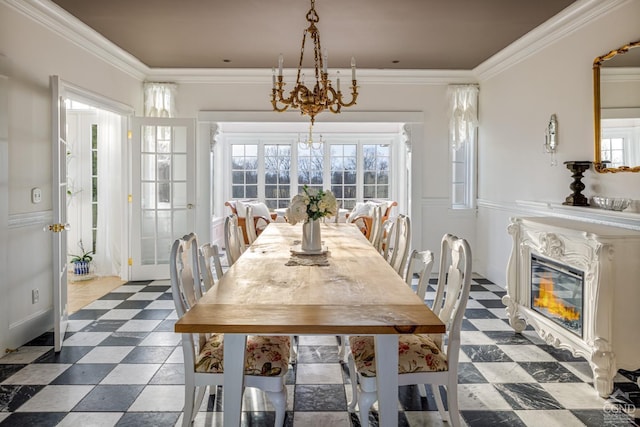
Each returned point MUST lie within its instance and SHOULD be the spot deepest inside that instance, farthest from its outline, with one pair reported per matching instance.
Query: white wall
(33, 53)
(515, 106)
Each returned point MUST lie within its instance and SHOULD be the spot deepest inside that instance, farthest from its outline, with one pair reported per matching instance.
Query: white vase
(311, 236)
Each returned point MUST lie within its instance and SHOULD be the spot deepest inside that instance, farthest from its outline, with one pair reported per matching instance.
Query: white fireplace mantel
(610, 259)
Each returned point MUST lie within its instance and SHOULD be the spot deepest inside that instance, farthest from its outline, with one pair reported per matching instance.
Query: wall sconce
(551, 139)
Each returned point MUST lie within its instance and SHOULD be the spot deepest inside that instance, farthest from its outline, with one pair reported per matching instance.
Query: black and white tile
(121, 365)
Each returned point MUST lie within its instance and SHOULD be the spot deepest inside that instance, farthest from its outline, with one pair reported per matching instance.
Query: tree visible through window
(376, 171)
(277, 169)
(352, 169)
(310, 168)
(244, 171)
(344, 166)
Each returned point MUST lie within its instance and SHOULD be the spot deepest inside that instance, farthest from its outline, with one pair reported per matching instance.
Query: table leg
(234, 345)
(387, 378)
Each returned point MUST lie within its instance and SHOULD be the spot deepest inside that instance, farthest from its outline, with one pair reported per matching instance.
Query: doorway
(95, 201)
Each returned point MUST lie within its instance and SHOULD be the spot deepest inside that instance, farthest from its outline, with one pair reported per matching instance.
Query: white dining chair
(266, 357)
(376, 226)
(233, 239)
(386, 238)
(209, 265)
(401, 244)
(421, 263)
(424, 358)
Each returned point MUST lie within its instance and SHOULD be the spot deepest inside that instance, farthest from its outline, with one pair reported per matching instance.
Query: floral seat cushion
(416, 353)
(265, 355)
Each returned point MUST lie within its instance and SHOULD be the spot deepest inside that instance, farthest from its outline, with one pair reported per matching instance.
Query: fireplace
(576, 283)
(556, 293)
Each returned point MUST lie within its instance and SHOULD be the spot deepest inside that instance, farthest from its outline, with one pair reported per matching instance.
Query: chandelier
(307, 142)
(321, 96)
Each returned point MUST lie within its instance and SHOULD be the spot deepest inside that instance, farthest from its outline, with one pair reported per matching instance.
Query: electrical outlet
(35, 296)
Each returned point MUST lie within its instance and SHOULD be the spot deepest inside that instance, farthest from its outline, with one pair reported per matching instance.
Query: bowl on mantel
(611, 203)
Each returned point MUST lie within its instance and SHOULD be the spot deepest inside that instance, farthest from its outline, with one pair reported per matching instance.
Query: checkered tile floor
(122, 365)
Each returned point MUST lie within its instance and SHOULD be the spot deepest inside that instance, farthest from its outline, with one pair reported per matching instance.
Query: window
(463, 121)
(376, 171)
(620, 141)
(612, 151)
(344, 164)
(244, 171)
(94, 184)
(277, 172)
(310, 168)
(274, 169)
(462, 173)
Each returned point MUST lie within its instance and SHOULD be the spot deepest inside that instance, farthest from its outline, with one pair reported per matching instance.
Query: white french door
(59, 196)
(163, 192)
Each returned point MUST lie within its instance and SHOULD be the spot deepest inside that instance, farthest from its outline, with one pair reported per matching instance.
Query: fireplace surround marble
(609, 256)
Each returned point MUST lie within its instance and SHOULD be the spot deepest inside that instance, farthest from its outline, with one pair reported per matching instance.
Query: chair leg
(189, 401)
(279, 401)
(341, 350)
(353, 376)
(293, 353)
(422, 390)
(439, 404)
(365, 401)
(452, 400)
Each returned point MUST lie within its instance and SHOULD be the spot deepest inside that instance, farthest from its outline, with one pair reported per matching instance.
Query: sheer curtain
(159, 99)
(463, 110)
(107, 259)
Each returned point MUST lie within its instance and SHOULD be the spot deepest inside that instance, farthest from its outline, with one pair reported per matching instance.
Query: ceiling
(380, 34)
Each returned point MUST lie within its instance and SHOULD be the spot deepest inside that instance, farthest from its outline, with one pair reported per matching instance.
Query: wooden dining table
(267, 292)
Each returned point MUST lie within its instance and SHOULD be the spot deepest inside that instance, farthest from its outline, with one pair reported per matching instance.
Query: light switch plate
(36, 195)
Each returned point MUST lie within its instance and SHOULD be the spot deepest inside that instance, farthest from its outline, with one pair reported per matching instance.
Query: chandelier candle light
(310, 206)
(322, 96)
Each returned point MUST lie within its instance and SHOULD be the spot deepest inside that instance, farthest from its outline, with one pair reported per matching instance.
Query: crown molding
(260, 76)
(62, 23)
(561, 25)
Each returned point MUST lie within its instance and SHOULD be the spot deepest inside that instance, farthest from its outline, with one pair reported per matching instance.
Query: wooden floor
(82, 293)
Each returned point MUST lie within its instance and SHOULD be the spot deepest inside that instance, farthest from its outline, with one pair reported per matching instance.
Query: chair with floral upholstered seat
(422, 358)
(266, 357)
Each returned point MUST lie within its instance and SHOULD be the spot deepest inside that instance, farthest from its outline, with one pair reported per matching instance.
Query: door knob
(190, 206)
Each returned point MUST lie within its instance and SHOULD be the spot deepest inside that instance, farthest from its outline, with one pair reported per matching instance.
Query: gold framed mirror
(616, 101)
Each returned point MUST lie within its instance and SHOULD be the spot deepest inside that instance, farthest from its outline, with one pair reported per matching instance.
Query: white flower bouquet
(311, 204)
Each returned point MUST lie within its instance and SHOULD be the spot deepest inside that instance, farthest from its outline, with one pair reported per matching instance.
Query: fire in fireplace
(556, 293)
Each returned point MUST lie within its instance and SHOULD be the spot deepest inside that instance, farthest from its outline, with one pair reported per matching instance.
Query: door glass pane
(148, 167)
(180, 195)
(148, 195)
(148, 228)
(180, 167)
(164, 223)
(163, 139)
(164, 195)
(148, 251)
(180, 139)
(180, 225)
(163, 251)
(149, 140)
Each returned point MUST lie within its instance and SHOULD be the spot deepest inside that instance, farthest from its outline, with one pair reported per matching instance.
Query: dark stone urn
(577, 168)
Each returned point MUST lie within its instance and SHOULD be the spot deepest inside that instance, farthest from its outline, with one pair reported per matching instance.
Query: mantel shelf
(630, 220)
